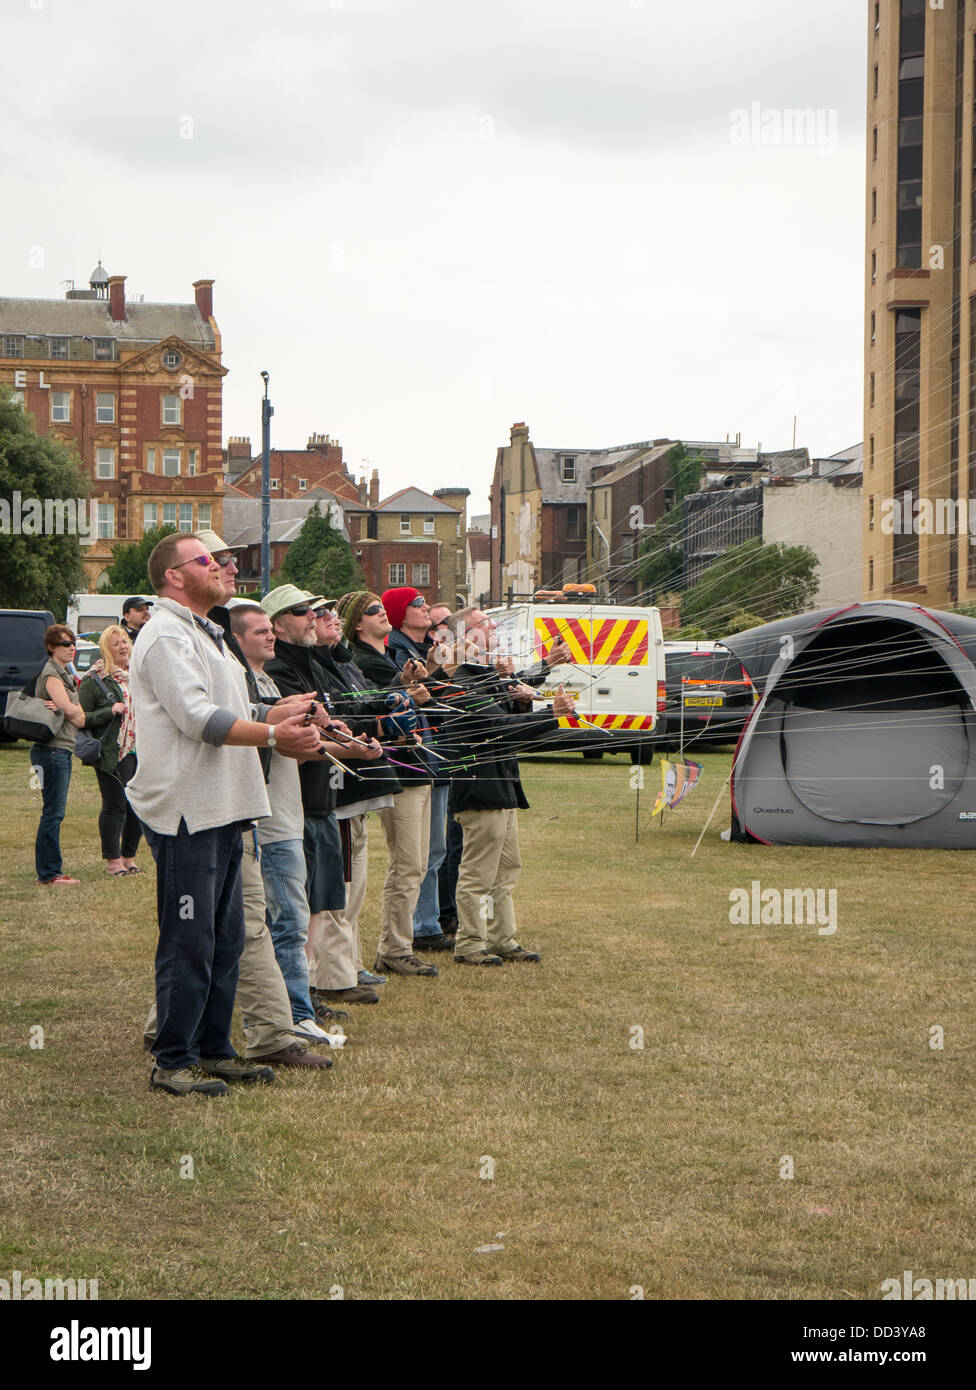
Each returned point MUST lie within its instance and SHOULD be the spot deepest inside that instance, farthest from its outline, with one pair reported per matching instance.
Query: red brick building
(294, 472)
(136, 389)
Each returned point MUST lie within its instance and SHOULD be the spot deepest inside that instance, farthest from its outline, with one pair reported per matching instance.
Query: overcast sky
(428, 219)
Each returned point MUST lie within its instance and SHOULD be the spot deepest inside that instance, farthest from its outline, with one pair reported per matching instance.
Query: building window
(871, 451)
(874, 328)
(870, 513)
(150, 516)
(171, 463)
(150, 459)
(871, 392)
(105, 407)
(105, 463)
(875, 79)
(275, 485)
(404, 524)
(18, 398)
(573, 523)
(421, 576)
(870, 571)
(874, 267)
(428, 525)
(191, 463)
(457, 529)
(13, 345)
(171, 359)
(908, 365)
(104, 350)
(106, 521)
(186, 516)
(58, 349)
(567, 470)
(877, 18)
(874, 205)
(874, 143)
(398, 575)
(204, 516)
(171, 410)
(302, 484)
(60, 407)
(170, 514)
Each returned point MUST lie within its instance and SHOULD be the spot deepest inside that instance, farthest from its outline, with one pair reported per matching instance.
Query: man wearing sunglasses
(196, 787)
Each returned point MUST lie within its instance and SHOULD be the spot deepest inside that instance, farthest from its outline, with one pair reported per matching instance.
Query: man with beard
(191, 703)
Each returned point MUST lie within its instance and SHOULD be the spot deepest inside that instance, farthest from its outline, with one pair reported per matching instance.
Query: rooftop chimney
(203, 293)
(374, 488)
(520, 429)
(116, 297)
(361, 492)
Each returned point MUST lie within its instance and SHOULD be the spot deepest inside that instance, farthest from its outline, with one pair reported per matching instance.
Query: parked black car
(22, 651)
(713, 713)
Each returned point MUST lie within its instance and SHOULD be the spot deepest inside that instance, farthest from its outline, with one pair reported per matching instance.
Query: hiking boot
(519, 953)
(354, 995)
(236, 1069)
(370, 981)
(440, 942)
(326, 1015)
(185, 1081)
(482, 958)
(295, 1055)
(404, 965)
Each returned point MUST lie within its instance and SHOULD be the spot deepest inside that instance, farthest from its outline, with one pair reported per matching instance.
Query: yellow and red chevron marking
(596, 641)
(607, 721)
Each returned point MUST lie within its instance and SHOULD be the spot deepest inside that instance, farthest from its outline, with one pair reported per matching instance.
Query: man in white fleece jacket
(192, 791)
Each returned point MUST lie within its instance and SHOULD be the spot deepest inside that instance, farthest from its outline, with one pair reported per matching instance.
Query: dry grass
(613, 1166)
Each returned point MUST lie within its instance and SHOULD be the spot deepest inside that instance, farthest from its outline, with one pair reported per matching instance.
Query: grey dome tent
(865, 732)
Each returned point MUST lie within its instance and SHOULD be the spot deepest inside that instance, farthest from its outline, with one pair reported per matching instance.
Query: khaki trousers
(335, 956)
(262, 995)
(406, 825)
(489, 870)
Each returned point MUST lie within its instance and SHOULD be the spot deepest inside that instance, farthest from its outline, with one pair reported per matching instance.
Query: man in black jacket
(333, 933)
(486, 799)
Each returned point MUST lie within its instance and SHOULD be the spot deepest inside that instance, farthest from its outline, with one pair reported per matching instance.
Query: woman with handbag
(57, 687)
(106, 701)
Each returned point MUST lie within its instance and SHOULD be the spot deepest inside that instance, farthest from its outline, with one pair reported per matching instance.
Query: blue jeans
(426, 918)
(283, 870)
(54, 765)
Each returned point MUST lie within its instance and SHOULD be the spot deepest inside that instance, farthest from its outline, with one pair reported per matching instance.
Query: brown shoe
(519, 953)
(354, 995)
(294, 1056)
(482, 958)
(404, 965)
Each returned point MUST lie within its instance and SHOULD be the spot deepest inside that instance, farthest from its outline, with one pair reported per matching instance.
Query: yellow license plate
(704, 701)
(546, 694)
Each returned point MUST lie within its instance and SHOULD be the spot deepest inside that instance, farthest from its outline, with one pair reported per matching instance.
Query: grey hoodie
(186, 694)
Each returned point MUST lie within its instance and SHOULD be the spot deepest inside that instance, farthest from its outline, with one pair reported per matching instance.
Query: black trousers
(118, 824)
(447, 874)
(200, 905)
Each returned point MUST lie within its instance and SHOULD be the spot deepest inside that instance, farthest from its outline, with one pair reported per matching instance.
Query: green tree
(128, 573)
(320, 559)
(38, 568)
(752, 582)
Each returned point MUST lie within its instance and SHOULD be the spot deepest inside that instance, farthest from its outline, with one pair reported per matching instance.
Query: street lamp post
(267, 410)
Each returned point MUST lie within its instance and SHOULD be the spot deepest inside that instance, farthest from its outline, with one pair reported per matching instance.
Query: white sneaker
(312, 1032)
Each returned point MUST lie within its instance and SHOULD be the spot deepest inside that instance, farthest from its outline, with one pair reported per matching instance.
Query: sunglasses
(418, 602)
(372, 610)
(65, 643)
(206, 560)
(224, 560)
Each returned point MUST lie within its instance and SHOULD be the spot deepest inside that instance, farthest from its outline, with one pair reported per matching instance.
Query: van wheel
(643, 755)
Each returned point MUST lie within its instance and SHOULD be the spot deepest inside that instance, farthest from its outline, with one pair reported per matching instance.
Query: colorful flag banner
(677, 780)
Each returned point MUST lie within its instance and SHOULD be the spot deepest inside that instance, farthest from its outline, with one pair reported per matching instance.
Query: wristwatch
(272, 740)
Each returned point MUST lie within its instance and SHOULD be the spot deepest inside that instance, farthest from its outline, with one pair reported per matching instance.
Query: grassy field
(615, 1165)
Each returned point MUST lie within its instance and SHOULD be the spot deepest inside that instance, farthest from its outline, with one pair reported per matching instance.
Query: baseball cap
(137, 601)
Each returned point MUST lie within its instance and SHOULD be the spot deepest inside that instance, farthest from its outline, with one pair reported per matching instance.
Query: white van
(93, 612)
(617, 678)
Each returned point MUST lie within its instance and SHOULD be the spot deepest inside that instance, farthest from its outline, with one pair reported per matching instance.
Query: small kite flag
(677, 780)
